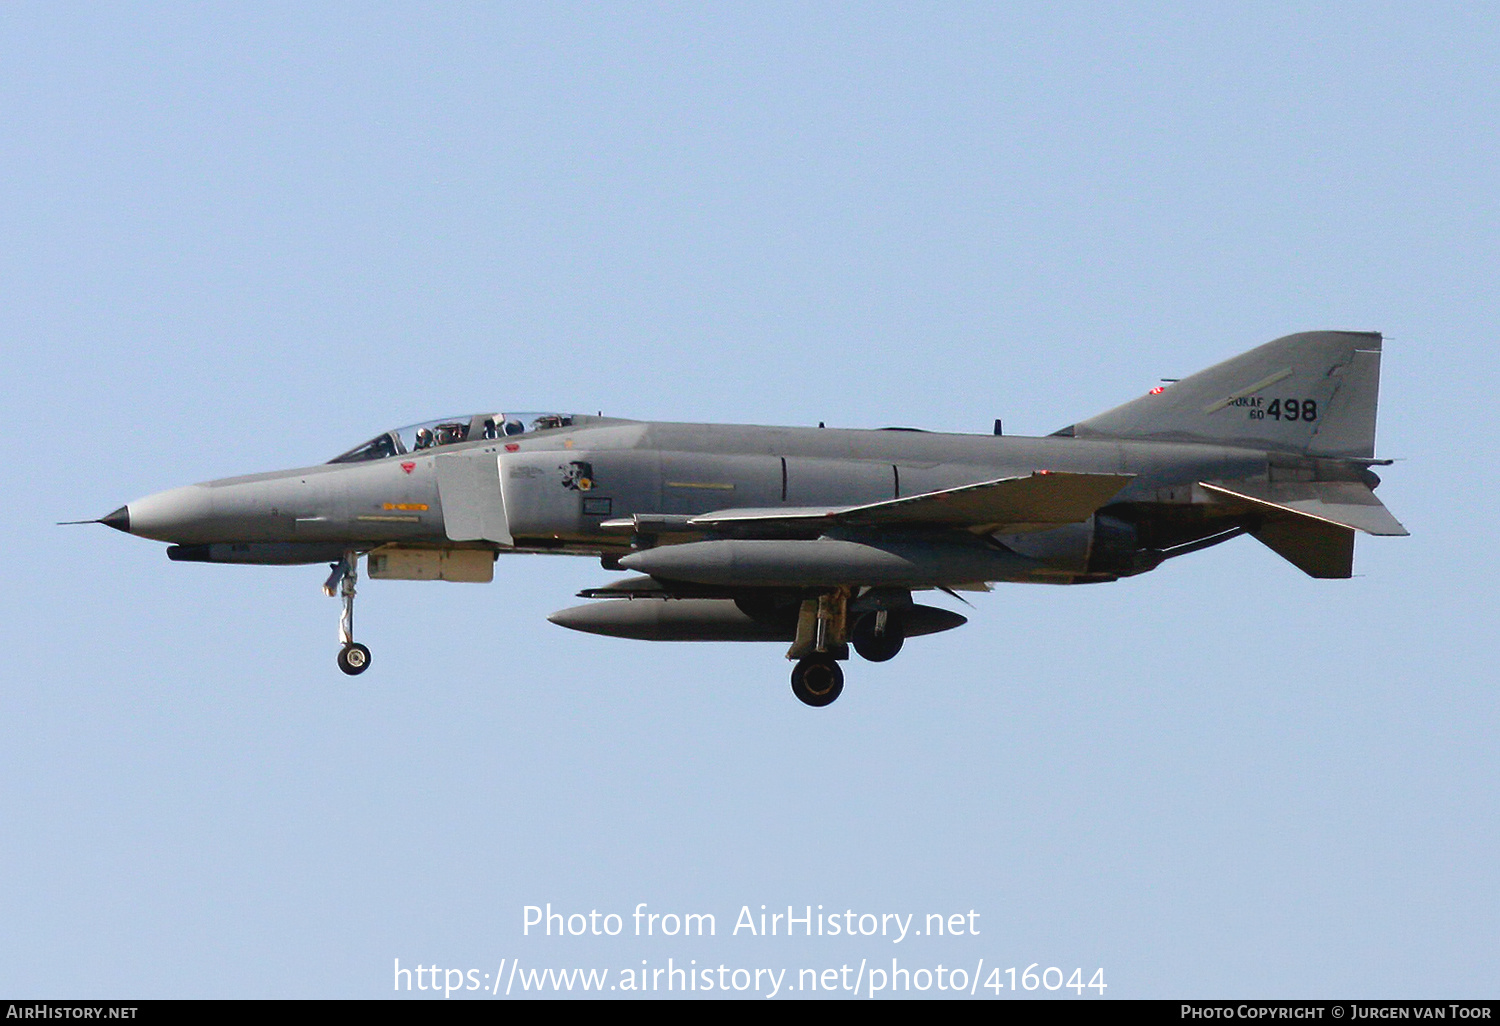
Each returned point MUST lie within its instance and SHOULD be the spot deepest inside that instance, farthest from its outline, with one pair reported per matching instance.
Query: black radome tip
(119, 519)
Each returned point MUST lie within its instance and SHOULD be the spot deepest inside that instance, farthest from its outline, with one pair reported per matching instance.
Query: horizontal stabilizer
(1032, 502)
(1316, 547)
(1311, 524)
(1341, 503)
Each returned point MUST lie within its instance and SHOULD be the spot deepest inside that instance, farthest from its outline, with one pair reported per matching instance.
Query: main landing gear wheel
(878, 636)
(354, 659)
(817, 680)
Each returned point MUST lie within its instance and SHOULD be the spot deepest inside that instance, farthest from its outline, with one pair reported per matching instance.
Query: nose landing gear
(354, 658)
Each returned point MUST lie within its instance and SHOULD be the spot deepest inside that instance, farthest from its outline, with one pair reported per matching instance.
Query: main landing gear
(824, 635)
(354, 658)
(817, 680)
(878, 635)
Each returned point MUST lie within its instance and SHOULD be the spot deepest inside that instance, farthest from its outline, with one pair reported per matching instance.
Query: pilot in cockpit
(425, 439)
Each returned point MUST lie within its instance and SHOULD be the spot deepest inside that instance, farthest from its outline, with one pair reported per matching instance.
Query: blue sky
(242, 237)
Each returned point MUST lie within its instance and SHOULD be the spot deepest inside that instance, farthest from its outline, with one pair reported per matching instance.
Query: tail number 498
(1288, 409)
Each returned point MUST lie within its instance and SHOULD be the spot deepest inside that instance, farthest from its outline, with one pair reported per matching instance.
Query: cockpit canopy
(450, 431)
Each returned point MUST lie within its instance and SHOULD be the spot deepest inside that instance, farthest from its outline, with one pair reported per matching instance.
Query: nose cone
(119, 519)
(179, 515)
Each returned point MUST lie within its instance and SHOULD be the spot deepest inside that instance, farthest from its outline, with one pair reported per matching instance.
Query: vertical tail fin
(1313, 393)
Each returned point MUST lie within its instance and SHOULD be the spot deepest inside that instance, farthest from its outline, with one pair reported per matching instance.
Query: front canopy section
(450, 431)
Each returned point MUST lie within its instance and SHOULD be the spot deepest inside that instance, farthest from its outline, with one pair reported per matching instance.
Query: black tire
(354, 659)
(817, 681)
(877, 648)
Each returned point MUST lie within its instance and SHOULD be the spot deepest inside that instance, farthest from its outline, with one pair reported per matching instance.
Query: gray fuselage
(568, 488)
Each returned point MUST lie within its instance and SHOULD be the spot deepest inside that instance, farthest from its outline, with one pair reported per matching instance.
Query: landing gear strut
(817, 680)
(821, 640)
(354, 658)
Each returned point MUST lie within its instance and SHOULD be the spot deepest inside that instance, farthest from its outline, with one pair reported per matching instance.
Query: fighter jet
(819, 538)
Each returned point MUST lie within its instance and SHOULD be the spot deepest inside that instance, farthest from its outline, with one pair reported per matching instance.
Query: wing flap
(771, 514)
(1034, 501)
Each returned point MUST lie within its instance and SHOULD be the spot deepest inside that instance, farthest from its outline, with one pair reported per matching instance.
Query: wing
(1033, 502)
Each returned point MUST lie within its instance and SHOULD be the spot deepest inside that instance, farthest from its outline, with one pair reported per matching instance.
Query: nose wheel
(354, 658)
